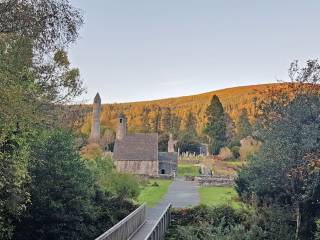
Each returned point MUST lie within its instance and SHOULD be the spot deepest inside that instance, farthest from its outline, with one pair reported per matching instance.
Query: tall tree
(216, 125)
(145, 120)
(35, 75)
(286, 170)
(166, 120)
(190, 124)
(155, 120)
(243, 125)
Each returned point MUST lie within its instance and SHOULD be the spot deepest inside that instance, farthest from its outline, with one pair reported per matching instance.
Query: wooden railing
(127, 227)
(159, 230)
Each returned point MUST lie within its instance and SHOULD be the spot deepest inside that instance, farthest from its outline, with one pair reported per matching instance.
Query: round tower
(96, 111)
(122, 126)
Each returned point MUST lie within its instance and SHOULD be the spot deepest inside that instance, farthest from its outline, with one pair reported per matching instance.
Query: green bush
(226, 223)
(235, 151)
(155, 184)
(125, 186)
(122, 185)
(317, 233)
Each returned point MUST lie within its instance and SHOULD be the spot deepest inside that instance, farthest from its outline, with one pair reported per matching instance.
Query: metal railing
(160, 228)
(127, 227)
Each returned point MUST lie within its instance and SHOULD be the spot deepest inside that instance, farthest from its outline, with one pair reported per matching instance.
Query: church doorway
(163, 171)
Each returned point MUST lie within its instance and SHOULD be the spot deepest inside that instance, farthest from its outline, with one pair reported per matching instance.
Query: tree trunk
(298, 221)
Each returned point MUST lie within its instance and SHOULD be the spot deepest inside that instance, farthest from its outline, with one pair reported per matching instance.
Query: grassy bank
(188, 170)
(214, 196)
(153, 192)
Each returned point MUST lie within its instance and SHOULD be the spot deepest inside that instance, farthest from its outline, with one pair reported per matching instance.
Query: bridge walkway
(181, 194)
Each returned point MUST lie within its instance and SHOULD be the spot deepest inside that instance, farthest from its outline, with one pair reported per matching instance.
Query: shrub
(235, 151)
(125, 186)
(155, 184)
(226, 223)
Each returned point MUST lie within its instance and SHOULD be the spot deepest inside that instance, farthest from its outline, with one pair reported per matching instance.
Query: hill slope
(148, 115)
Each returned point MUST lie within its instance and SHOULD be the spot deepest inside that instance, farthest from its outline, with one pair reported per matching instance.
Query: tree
(216, 125)
(244, 128)
(166, 120)
(286, 170)
(61, 192)
(188, 142)
(35, 74)
(190, 124)
(145, 121)
(155, 120)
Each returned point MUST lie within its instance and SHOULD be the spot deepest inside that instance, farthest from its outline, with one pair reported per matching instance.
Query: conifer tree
(244, 127)
(166, 121)
(155, 121)
(145, 121)
(216, 125)
(190, 124)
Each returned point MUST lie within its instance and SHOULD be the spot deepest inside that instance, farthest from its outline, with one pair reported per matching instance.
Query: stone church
(136, 153)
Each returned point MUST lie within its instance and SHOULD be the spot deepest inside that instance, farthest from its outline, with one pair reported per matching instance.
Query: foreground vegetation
(48, 190)
(153, 191)
(227, 223)
(280, 182)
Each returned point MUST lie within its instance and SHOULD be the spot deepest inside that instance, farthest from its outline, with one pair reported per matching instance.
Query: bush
(155, 184)
(317, 233)
(188, 142)
(122, 185)
(125, 186)
(226, 223)
(236, 151)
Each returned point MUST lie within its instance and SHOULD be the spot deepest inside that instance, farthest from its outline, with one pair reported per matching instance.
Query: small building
(138, 153)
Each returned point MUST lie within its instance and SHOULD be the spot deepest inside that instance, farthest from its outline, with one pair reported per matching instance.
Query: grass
(152, 194)
(188, 170)
(214, 196)
(236, 163)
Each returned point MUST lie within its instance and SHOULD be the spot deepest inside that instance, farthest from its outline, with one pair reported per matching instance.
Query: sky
(133, 50)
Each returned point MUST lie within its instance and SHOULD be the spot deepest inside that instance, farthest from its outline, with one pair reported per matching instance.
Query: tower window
(120, 120)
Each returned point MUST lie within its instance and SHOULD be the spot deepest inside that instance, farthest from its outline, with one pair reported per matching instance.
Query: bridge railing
(127, 227)
(160, 228)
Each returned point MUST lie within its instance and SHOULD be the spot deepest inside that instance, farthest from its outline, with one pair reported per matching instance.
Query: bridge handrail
(161, 226)
(127, 226)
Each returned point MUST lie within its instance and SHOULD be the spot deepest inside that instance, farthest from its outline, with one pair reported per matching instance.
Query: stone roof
(168, 157)
(140, 146)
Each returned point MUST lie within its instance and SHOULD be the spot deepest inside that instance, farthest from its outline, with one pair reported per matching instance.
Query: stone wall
(215, 181)
(149, 168)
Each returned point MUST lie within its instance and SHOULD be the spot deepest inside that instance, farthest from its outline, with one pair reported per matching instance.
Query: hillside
(147, 116)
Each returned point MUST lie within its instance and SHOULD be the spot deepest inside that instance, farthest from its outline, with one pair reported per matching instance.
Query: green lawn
(151, 194)
(214, 196)
(188, 170)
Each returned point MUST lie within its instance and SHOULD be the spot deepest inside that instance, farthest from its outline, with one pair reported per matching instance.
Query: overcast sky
(131, 50)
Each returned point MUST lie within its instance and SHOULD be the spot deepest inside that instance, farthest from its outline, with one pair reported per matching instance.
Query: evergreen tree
(216, 125)
(166, 120)
(145, 128)
(61, 192)
(190, 124)
(243, 125)
(175, 124)
(155, 121)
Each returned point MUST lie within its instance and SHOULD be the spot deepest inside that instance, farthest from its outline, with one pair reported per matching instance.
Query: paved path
(180, 194)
